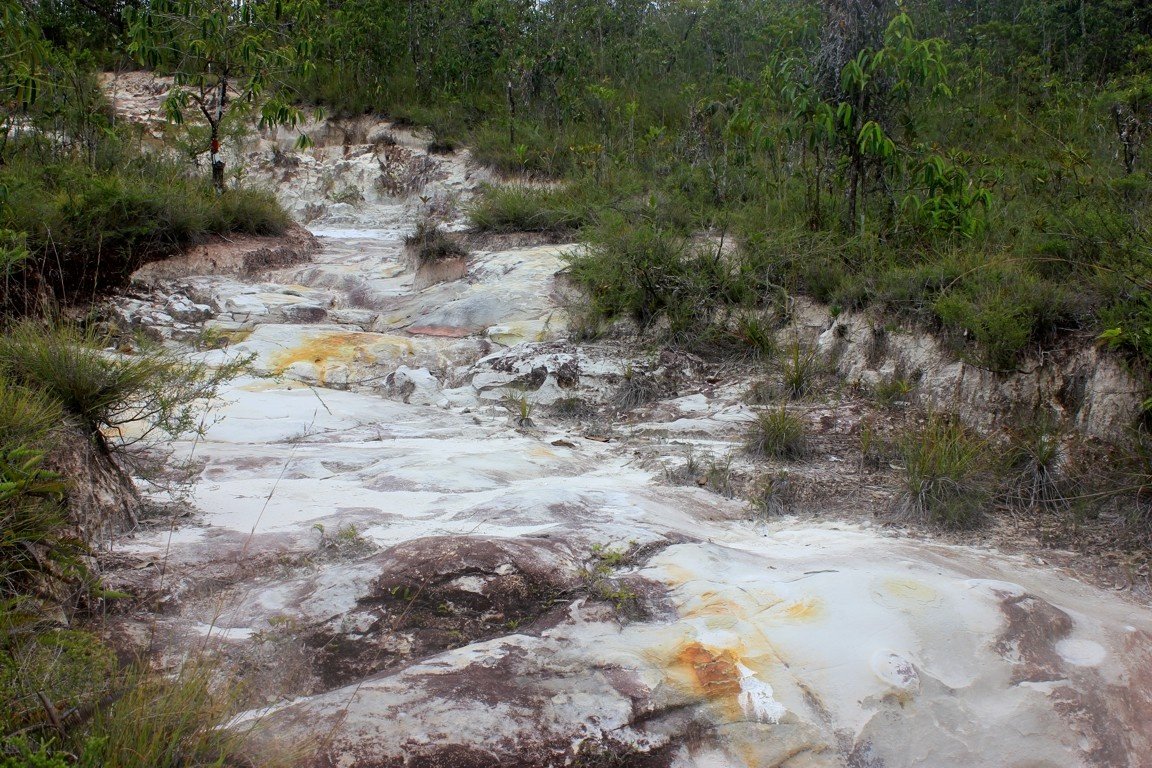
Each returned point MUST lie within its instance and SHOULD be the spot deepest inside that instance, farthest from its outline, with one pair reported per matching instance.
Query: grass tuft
(947, 479)
(430, 243)
(777, 434)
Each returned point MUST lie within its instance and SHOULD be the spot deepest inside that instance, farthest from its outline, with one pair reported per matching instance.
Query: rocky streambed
(426, 531)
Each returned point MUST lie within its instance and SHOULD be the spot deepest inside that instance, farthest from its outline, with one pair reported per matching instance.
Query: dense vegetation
(975, 166)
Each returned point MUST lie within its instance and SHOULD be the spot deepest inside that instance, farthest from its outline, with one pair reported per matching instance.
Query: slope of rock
(413, 559)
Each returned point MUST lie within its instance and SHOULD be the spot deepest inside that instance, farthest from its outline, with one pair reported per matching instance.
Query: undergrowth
(86, 229)
(947, 473)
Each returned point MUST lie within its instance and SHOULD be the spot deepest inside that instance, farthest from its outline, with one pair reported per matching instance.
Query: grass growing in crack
(777, 434)
(707, 471)
(756, 332)
(573, 408)
(346, 541)
(521, 409)
(893, 392)
(946, 473)
(430, 243)
(876, 450)
(635, 389)
(598, 581)
(771, 495)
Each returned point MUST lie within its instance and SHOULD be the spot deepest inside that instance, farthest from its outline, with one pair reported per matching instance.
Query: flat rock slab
(801, 647)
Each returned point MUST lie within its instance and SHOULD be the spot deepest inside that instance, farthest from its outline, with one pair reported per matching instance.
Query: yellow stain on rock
(908, 591)
(804, 609)
(713, 604)
(324, 351)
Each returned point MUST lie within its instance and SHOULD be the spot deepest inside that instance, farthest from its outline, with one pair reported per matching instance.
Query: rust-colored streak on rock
(1033, 629)
(805, 609)
(714, 675)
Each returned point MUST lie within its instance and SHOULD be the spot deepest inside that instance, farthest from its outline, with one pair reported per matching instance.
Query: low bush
(946, 473)
(520, 208)
(634, 268)
(527, 150)
(87, 229)
(430, 243)
(777, 434)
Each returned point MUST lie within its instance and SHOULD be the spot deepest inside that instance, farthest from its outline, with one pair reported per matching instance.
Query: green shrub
(946, 473)
(1005, 312)
(70, 668)
(778, 434)
(430, 243)
(534, 150)
(636, 269)
(87, 229)
(248, 211)
(35, 550)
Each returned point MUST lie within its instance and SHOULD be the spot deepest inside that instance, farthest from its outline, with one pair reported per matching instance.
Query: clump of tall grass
(778, 434)
(947, 473)
(101, 391)
(521, 208)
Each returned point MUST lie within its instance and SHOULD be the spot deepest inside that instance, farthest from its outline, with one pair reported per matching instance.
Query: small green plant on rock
(521, 409)
(597, 577)
(347, 541)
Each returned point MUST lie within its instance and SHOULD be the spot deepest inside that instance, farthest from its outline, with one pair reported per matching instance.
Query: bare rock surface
(429, 530)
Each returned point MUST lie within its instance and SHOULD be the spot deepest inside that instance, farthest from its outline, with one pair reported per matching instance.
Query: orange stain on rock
(713, 675)
(712, 604)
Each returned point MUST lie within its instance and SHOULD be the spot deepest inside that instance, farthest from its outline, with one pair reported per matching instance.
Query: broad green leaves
(225, 51)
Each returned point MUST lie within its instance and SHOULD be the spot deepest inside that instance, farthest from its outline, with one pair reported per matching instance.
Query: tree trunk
(850, 26)
(217, 162)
